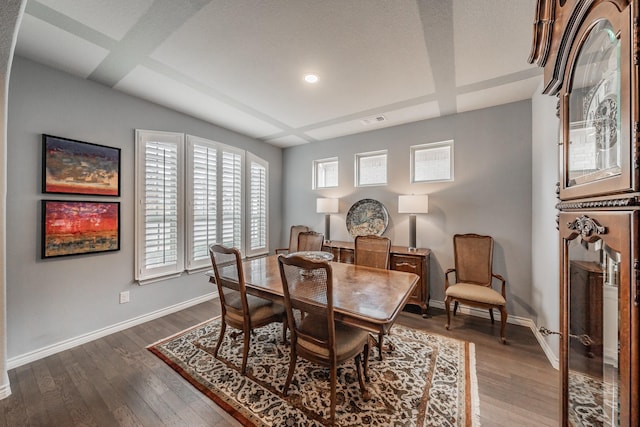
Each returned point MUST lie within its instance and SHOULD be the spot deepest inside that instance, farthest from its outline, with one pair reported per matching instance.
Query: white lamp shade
(327, 205)
(413, 204)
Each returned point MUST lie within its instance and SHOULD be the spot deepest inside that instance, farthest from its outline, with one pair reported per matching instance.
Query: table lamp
(327, 207)
(413, 204)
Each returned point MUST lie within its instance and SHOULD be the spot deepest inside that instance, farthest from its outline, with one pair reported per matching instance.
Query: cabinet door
(596, 107)
(410, 265)
(599, 320)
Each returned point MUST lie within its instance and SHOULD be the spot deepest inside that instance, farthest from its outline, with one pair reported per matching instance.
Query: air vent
(373, 120)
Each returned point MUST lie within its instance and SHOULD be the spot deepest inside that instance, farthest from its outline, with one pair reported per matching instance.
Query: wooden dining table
(369, 298)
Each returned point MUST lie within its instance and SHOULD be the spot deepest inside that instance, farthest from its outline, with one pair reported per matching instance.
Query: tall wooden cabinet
(590, 51)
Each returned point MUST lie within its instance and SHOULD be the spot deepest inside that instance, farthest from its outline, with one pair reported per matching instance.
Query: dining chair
(310, 241)
(308, 286)
(240, 310)
(293, 239)
(373, 251)
(473, 256)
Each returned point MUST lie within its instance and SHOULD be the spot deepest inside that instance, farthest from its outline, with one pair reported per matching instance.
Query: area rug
(428, 380)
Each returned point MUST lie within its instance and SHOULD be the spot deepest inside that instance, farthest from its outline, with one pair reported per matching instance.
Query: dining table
(366, 297)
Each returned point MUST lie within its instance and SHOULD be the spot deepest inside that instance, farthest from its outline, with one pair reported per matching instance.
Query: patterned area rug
(429, 380)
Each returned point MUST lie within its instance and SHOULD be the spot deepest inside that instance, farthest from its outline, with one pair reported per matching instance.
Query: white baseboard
(514, 320)
(43, 352)
(5, 391)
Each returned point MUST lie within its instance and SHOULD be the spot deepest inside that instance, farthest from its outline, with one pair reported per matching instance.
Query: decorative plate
(315, 255)
(367, 217)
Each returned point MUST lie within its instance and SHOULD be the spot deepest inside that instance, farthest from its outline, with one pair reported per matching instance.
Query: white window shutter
(202, 199)
(257, 200)
(159, 208)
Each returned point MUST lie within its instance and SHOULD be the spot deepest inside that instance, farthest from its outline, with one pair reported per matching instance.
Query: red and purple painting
(76, 167)
(72, 228)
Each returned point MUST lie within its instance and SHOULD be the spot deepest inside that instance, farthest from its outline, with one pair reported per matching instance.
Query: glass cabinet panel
(594, 113)
(593, 326)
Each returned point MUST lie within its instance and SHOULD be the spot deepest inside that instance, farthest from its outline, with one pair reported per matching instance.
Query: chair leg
(365, 362)
(284, 330)
(334, 380)
(491, 315)
(292, 366)
(455, 307)
(448, 310)
(503, 323)
(380, 343)
(363, 387)
(245, 351)
(223, 328)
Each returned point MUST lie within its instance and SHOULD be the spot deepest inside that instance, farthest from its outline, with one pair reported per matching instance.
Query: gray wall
(491, 193)
(53, 300)
(545, 289)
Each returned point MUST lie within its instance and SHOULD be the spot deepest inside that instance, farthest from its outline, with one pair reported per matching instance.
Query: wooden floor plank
(115, 381)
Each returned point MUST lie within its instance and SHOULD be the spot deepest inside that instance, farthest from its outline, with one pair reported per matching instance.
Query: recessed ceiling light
(311, 78)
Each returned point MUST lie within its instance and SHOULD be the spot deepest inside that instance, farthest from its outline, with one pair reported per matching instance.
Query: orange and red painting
(76, 167)
(72, 228)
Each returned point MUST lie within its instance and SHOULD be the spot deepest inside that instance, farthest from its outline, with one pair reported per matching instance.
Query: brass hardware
(584, 339)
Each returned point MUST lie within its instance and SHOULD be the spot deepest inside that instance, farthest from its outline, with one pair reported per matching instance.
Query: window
(214, 198)
(258, 179)
(176, 222)
(159, 204)
(432, 162)
(371, 168)
(325, 173)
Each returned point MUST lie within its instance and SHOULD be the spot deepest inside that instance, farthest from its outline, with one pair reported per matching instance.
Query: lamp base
(412, 232)
(327, 227)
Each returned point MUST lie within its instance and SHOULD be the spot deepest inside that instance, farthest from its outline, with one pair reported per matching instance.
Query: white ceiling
(240, 63)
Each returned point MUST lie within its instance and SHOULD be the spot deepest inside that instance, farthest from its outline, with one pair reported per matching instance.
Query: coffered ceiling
(240, 63)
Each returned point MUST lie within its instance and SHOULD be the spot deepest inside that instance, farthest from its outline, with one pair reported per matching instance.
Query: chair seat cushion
(349, 340)
(478, 293)
(259, 308)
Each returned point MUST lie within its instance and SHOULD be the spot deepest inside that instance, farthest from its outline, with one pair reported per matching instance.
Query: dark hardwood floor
(115, 381)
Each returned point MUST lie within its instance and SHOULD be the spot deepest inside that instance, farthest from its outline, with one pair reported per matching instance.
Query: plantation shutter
(203, 201)
(257, 202)
(159, 243)
(231, 224)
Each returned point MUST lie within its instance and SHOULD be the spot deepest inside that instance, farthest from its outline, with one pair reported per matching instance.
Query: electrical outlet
(124, 297)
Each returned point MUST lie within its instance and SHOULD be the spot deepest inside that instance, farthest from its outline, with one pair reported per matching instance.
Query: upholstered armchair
(474, 276)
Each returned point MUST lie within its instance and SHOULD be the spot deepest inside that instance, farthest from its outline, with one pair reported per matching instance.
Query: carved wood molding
(595, 204)
(555, 28)
(586, 226)
(542, 32)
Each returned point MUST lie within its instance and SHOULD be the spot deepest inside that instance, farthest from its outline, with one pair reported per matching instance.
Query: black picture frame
(79, 227)
(77, 167)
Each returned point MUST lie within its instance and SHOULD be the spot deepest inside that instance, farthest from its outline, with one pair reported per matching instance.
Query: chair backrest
(308, 286)
(293, 236)
(372, 251)
(229, 276)
(310, 241)
(473, 255)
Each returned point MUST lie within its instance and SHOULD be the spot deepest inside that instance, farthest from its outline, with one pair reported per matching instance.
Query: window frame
(143, 273)
(316, 174)
(183, 188)
(264, 249)
(432, 146)
(192, 264)
(371, 154)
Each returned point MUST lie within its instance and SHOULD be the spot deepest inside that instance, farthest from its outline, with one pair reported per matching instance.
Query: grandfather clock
(590, 51)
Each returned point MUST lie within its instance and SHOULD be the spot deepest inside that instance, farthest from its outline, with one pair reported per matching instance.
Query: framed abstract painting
(79, 227)
(76, 167)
